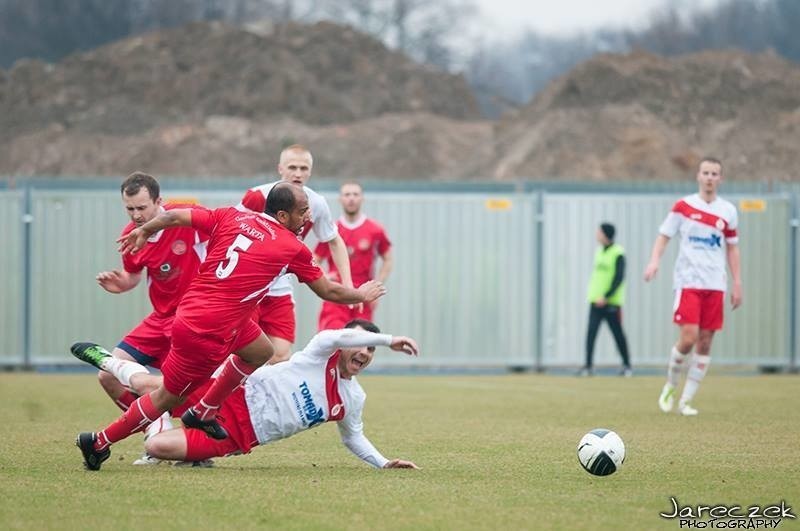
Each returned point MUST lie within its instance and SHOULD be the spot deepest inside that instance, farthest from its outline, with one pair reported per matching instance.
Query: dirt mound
(320, 74)
(641, 116)
(210, 99)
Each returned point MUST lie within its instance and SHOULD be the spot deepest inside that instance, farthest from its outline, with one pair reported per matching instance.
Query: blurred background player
(321, 377)
(171, 259)
(606, 297)
(276, 311)
(365, 240)
(707, 226)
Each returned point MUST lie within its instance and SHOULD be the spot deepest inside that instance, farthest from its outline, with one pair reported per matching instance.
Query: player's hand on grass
(399, 463)
(405, 344)
(372, 290)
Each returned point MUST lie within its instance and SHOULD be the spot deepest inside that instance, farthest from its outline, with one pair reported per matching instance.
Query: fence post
(27, 220)
(539, 281)
(794, 223)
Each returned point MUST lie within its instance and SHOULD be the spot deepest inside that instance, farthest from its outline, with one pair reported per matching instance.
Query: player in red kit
(276, 315)
(247, 252)
(365, 240)
(170, 260)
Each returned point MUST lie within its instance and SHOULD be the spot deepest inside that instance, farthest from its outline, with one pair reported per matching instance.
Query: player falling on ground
(247, 251)
(707, 226)
(316, 385)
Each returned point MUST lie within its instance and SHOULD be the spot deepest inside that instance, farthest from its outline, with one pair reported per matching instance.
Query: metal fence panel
(757, 333)
(462, 282)
(72, 239)
(12, 279)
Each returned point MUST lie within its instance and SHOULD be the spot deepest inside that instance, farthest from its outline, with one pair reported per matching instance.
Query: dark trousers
(613, 315)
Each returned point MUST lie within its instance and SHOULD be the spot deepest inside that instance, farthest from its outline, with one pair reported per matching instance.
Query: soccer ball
(601, 452)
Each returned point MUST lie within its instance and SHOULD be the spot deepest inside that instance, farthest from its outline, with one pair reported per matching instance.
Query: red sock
(125, 400)
(141, 413)
(234, 372)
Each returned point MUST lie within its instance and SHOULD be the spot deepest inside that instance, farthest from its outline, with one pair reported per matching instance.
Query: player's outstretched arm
(405, 344)
(137, 238)
(335, 292)
(116, 281)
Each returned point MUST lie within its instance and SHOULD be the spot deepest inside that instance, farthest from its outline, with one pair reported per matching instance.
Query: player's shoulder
(376, 226)
(726, 205)
(314, 197)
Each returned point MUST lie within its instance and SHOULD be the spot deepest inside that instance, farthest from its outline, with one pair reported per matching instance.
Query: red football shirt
(247, 251)
(171, 258)
(365, 239)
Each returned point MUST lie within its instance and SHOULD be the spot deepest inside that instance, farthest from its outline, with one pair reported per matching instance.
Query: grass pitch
(497, 452)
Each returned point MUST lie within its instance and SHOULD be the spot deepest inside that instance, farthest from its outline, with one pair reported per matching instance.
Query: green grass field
(497, 452)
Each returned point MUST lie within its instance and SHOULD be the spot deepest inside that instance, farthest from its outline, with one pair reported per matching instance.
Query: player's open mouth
(358, 363)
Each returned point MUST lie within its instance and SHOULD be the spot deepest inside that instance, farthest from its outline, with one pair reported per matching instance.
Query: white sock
(675, 366)
(123, 369)
(162, 423)
(697, 370)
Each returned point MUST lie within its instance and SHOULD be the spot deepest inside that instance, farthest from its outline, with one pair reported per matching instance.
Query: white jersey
(705, 230)
(305, 391)
(321, 223)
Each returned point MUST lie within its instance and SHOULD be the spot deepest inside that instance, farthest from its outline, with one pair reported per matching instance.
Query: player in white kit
(276, 315)
(707, 227)
(316, 385)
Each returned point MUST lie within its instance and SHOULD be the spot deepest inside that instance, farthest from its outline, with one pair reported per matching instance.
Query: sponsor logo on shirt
(309, 412)
(712, 240)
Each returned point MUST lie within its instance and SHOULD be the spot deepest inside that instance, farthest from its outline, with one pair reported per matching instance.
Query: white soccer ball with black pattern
(601, 452)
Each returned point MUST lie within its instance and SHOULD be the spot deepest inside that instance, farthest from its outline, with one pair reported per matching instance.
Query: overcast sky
(564, 17)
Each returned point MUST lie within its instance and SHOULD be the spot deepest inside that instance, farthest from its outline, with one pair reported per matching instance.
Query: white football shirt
(705, 230)
(305, 391)
(321, 223)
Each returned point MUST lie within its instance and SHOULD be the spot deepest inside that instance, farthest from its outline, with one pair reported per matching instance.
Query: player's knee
(159, 446)
(108, 381)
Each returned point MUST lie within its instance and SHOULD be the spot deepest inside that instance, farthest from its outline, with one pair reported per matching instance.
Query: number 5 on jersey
(224, 270)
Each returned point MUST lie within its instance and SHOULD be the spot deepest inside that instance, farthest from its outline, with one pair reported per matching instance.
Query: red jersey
(365, 239)
(247, 251)
(172, 258)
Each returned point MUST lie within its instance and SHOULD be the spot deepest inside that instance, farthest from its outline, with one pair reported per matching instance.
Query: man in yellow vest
(606, 297)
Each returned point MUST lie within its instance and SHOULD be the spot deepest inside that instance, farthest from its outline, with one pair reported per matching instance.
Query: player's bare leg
(698, 366)
(283, 349)
(687, 338)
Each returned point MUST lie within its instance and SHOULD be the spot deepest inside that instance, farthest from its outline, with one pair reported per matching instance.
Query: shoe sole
(78, 350)
(211, 428)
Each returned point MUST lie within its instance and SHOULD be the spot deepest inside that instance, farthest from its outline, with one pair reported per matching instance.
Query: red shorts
(276, 317)
(334, 316)
(699, 307)
(234, 417)
(149, 342)
(194, 357)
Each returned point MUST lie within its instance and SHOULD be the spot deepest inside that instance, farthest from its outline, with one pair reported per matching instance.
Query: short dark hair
(280, 197)
(136, 181)
(609, 230)
(369, 326)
